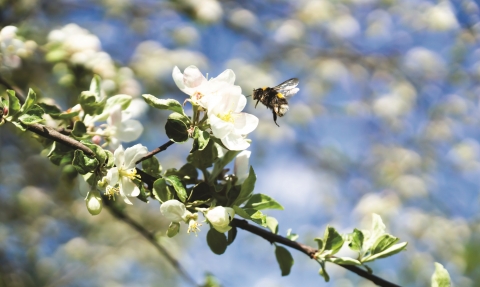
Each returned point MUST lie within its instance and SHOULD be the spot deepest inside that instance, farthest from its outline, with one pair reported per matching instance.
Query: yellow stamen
(226, 117)
(128, 173)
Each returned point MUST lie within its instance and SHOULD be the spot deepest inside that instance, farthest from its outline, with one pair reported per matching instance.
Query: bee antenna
(248, 96)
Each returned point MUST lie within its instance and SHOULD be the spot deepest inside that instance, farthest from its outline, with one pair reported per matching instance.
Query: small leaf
(320, 244)
(32, 116)
(203, 159)
(440, 277)
(272, 224)
(217, 241)
(52, 110)
(79, 129)
(383, 242)
(344, 261)
(100, 154)
(121, 99)
(251, 214)
(247, 187)
(176, 130)
(152, 166)
(173, 229)
(333, 240)
(29, 102)
(261, 201)
(232, 234)
(83, 163)
(178, 186)
(90, 103)
(160, 190)
(13, 104)
(386, 253)
(60, 154)
(356, 240)
(221, 162)
(291, 236)
(323, 271)
(188, 173)
(284, 259)
(163, 104)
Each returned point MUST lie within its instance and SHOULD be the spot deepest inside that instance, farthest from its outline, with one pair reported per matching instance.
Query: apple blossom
(121, 128)
(175, 211)
(227, 121)
(124, 172)
(219, 217)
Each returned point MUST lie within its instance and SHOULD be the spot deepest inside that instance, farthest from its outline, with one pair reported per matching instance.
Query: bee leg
(257, 103)
(275, 118)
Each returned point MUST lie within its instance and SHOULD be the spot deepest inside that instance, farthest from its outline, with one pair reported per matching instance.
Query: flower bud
(219, 217)
(94, 202)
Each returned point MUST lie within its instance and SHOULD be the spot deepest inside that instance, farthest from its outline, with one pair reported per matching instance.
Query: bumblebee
(276, 98)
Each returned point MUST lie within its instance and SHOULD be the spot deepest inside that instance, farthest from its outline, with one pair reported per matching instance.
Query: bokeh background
(387, 121)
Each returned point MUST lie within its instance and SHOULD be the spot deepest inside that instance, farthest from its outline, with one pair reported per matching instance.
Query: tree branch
(310, 251)
(155, 151)
(243, 224)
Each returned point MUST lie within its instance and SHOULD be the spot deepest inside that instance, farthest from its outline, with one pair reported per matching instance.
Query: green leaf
(356, 240)
(284, 259)
(254, 215)
(383, 242)
(344, 261)
(144, 193)
(52, 110)
(95, 86)
(90, 103)
(188, 173)
(440, 277)
(162, 104)
(100, 154)
(247, 187)
(79, 129)
(161, 191)
(221, 162)
(66, 115)
(60, 154)
(13, 104)
(200, 139)
(176, 129)
(173, 229)
(291, 236)
(152, 167)
(122, 100)
(320, 244)
(261, 201)
(109, 162)
(178, 186)
(200, 192)
(29, 102)
(333, 240)
(203, 159)
(272, 224)
(386, 253)
(83, 163)
(32, 116)
(232, 234)
(323, 271)
(217, 241)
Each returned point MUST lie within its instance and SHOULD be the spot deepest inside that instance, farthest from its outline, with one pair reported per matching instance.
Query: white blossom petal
(133, 154)
(173, 210)
(241, 166)
(129, 130)
(220, 128)
(128, 188)
(118, 156)
(115, 117)
(245, 123)
(112, 176)
(235, 141)
(220, 217)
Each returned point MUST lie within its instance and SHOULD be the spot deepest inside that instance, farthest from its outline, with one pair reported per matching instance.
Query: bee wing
(287, 88)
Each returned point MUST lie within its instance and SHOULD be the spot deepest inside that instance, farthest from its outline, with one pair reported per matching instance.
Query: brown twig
(155, 151)
(243, 224)
(310, 251)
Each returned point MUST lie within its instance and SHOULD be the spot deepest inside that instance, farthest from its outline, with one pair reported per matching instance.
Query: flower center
(226, 117)
(130, 173)
(110, 191)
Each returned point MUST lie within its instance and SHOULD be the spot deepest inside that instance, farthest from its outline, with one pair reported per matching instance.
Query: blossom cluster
(13, 48)
(223, 102)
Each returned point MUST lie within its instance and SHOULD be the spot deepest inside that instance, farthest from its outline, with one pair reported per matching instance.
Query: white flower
(220, 217)
(175, 211)
(121, 128)
(241, 166)
(193, 83)
(124, 171)
(227, 121)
